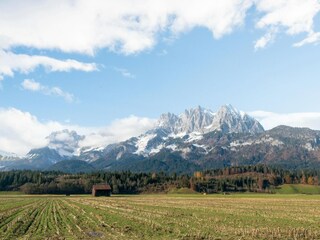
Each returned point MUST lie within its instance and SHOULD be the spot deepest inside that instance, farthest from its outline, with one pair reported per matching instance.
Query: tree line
(258, 178)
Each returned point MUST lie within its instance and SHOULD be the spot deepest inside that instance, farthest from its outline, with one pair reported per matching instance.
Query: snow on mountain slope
(198, 136)
(183, 134)
(191, 125)
(62, 145)
(143, 142)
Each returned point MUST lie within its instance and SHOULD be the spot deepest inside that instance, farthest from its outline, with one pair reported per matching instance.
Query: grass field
(242, 216)
(298, 188)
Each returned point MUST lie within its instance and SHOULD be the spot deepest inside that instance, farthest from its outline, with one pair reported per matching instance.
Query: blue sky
(257, 56)
(192, 70)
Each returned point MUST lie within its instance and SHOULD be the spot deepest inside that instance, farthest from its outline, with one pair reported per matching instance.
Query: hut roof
(101, 187)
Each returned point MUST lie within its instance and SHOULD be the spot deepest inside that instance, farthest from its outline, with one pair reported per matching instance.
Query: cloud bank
(293, 17)
(129, 26)
(21, 131)
(118, 130)
(270, 120)
(132, 26)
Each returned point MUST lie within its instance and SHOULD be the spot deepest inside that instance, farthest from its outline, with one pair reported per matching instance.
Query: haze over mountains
(197, 139)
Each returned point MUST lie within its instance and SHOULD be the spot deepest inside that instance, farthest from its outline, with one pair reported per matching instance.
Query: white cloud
(66, 142)
(132, 26)
(312, 38)
(119, 130)
(270, 119)
(124, 72)
(126, 25)
(11, 62)
(31, 85)
(21, 131)
(266, 39)
(292, 16)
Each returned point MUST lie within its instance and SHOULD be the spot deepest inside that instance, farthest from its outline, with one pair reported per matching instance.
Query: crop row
(159, 217)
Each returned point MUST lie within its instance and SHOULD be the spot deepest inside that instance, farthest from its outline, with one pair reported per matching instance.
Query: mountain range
(197, 139)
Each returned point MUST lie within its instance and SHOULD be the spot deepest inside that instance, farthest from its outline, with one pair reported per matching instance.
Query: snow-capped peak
(171, 130)
(193, 123)
(229, 119)
(168, 122)
(226, 119)
(194, 119)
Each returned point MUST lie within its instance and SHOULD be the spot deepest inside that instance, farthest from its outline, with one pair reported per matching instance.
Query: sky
(108, 69)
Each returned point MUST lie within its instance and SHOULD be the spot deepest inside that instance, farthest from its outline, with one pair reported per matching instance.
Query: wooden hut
(101, 190)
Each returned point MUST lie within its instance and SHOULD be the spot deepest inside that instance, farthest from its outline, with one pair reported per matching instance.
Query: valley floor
(194, 216)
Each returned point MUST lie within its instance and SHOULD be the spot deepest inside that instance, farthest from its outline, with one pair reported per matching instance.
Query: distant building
(101, 190)
(198, 174)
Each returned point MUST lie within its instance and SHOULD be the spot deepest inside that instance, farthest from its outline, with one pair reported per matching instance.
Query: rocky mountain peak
(195, 120)
(191, 120)
(183, 134)
(228, 119)
(168, 121)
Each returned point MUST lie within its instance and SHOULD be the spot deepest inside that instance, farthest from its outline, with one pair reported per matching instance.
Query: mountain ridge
(196, 139)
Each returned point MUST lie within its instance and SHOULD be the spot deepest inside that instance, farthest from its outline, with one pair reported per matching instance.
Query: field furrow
(160, 217)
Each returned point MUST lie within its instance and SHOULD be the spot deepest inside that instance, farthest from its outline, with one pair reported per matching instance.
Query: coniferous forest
(258, 178)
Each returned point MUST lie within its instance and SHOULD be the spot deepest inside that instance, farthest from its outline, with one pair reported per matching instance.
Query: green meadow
(298, 189)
